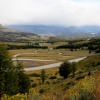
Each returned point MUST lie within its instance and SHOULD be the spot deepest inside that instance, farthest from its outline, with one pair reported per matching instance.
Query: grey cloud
(50, 12)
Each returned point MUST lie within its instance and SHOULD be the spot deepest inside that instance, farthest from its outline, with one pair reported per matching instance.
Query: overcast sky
(50, 12)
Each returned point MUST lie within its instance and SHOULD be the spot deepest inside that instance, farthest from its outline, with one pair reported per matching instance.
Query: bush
(41, 90)
(83, 90)
(80, 77)
(56, 73)
(47, 82)
(32, 80)
(53, 77)
(35, 75)
(98, 63)
(69, 84)
(34, 84)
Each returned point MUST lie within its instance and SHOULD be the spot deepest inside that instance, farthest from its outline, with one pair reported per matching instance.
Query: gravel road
(52, 65)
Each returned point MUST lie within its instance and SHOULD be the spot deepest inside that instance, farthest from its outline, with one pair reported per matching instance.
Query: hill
(7, 34)
(4, 29)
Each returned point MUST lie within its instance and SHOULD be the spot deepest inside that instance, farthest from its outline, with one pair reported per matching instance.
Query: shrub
(32, 80)
(47, 82)
(34, 75)
(84, 90)
(69, 84)
(53, 77)
(34, 84)
(41, 90)
(80, 77)
(98, 63)
(56, 73)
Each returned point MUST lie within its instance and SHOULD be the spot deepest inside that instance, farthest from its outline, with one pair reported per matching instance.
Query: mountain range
(57, 30)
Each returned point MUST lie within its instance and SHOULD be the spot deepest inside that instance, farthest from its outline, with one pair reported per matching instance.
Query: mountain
(7, 34)
(57, 30)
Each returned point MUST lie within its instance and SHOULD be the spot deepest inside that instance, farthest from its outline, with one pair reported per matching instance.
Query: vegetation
(73, 65)
(12, 79)
(84, 90)
(91, 45)
(65, 69)
(43, 76)
(10, 47)
(79, 81)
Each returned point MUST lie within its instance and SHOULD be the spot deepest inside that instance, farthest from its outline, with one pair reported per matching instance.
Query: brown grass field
(51, 54)
(46, 54)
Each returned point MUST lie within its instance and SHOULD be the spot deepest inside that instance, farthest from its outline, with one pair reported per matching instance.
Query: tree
(43, 76)
(73, 65)
(65, 69)
(12, 78)
(8, 78)
(23, 79)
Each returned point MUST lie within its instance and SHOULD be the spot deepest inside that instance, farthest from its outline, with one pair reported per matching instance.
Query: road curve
(52, 65)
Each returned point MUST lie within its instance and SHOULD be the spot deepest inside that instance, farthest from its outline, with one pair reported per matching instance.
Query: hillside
(4, 29)
(7, 34)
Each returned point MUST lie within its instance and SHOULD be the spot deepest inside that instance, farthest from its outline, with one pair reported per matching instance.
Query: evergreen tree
(8, 78)
(73, 65)
(43, 76)
(23, 79)
(12, 78)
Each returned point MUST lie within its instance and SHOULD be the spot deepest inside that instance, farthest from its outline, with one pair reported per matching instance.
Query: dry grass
(45, 54)
(82, 42)
(59, 54)
(54, 44)
(13, 43)
(49, 71)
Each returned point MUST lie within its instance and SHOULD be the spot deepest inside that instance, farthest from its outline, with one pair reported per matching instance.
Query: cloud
(50, 12)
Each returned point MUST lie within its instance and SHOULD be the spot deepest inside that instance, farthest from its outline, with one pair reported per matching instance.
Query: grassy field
(47, 54)
(44, 54)
(13, 43)
(51, 54)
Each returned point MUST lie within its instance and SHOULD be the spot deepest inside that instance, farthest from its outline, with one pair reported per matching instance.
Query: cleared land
(55, 55)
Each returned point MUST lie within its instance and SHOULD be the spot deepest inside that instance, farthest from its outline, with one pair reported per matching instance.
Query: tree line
(92, 45)
(9, 47)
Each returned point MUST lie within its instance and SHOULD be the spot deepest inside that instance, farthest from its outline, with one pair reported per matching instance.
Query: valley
(41, 57)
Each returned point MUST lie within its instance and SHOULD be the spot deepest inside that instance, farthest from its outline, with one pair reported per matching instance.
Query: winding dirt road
(44, 66)
(52, 65)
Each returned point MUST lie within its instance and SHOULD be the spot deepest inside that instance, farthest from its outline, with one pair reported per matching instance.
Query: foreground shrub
(33, 95)
(84, 90)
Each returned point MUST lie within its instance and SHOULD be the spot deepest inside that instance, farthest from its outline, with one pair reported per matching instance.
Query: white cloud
(50, 12)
